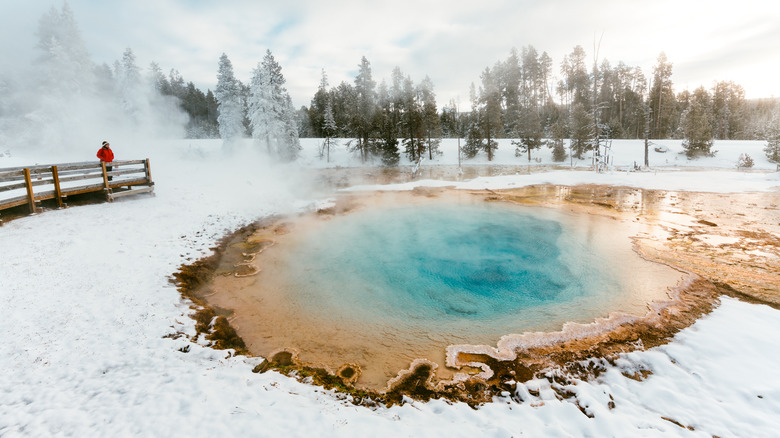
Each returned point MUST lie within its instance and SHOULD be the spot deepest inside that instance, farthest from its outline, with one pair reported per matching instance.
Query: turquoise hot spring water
(386, 284)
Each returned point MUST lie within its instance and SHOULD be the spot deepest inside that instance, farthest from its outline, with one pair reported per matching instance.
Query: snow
(87, 304)
(625, 153)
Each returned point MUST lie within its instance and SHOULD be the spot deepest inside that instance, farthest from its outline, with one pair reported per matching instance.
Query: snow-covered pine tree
(745, 162)
(64, 86)
(263, 110)
(317, 107)
(271, 113)
(157, 79)
(513, 89)
(581, 131)
(289, 146)
(104, 80)
(473, 140)
(65, 63)
(558, 131)
(164, 108)
(129, 86)
(431, 124)
(411, 122)
(329, 129)
(230, 105)
(176, 81)
(490, 111)
(697, 125)
(366, 106)
(771, 135)
(529, 132)
(385, 138)
(474, 135)
(661, 98)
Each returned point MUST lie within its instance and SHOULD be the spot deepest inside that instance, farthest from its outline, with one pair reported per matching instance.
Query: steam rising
(63, 103)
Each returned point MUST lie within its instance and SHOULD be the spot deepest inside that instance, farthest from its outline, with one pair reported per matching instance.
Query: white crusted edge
(508, 345)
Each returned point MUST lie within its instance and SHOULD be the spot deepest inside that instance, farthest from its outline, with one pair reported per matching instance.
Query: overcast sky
(451, 41)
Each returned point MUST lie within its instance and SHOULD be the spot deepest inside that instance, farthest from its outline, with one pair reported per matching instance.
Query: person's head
(105, 144)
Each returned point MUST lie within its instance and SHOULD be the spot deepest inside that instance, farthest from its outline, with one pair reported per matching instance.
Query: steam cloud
(63, 103)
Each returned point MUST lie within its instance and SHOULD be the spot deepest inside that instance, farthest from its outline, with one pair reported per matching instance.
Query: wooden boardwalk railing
(33, 184)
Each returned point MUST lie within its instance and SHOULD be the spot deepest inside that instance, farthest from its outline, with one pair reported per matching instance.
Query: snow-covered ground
(625, 153)
(87, 303)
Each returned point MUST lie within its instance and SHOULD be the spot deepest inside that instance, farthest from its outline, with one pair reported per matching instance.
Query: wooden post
(30, 194)
(105, 175)
(56, 177)
(106, 188)
(148, 171)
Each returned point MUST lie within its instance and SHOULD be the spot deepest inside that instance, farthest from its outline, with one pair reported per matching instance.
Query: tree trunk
(430, 152)
(365, 147)
(658, 116)
(647, 134)
(489, 149)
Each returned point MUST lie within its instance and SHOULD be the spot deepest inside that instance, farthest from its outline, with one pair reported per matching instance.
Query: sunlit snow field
(87, 304)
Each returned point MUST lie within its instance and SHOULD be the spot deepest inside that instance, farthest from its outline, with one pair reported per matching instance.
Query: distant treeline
(520, 98)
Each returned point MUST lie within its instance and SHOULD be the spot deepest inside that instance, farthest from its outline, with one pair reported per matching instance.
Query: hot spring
(402, 277)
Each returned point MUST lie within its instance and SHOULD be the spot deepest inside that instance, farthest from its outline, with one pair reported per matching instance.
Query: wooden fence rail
(32, 184)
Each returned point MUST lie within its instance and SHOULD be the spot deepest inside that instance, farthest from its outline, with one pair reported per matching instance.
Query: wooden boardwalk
(32, 184)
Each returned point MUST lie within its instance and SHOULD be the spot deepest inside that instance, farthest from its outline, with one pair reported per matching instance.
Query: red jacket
(105, 154)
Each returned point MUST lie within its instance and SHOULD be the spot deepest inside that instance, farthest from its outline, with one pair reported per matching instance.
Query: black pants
(108, 169)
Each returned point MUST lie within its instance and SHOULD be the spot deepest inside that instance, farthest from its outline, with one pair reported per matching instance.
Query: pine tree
(129, 85)
(490, 112)
(728, 101)
(431, 125)
(545, 70)
(289, 147)
(245, 93)
(697, 125)
(212, 110)
(271, 113)
(512, 77)
(63, 84)
(449, 120)
(176, 81)
(530, 133)
(230, 105)
(745, 162)
(474, 133)
(158, 80)
(580, 131)
(343, 99)
(662, 98)
(532, 78)
(771, 135)
(474, 139)
(329, 129)
(105, 81)
(576, 79)
(366, 106)
(386, 127)
(196, 105)
(317, 107)
(556, 143)
(304, 122)
(411, 121)
(65, 63)
(264, 109)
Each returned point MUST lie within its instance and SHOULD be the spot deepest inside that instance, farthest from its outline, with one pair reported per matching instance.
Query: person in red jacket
(106, 155)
